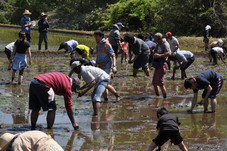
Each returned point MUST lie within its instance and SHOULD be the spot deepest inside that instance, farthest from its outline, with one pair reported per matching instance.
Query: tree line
(182, 17)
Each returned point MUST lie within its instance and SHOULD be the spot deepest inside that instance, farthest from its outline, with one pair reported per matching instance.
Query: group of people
(154, 52)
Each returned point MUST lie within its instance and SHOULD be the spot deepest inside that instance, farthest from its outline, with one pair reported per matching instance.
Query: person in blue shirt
(211, 82)
(25, 23)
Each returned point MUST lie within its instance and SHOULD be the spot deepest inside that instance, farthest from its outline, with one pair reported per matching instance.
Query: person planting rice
(94, 77)
(168, 130)
(211, 82)
(42, 94)
(69, 46)
(184, 59)
(8, 51)
(28, 141)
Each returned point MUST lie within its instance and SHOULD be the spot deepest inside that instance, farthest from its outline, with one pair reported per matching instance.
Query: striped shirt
(61, 85)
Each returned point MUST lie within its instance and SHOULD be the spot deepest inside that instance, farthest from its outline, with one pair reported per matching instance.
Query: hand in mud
(75, 126)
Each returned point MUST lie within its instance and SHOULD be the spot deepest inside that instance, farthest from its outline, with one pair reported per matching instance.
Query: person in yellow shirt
(84, 51)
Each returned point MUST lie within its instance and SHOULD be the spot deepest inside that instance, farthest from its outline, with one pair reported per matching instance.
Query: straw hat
(5, 139)
(26, 12)
(43, 14)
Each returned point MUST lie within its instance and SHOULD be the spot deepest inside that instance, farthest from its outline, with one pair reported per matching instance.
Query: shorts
(158, 77)
(216, 87)
(141, 62)
(164, 136)
(99, 90)
(39, 97)
(8, 53)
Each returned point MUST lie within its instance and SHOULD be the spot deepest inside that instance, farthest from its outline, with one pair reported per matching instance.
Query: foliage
(182, 17)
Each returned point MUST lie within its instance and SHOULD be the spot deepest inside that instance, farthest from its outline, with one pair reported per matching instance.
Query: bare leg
(50, 118)
(152, 146)
(174, 71)
(135, 71)
(213, 104)
(156, 90)
(105, 95)
(20, 79)
(34, 118)
(13, 76)
(205, 105)
(163, 88)
(147, 72)
(113, 91)
(182, 146)
(96, 106)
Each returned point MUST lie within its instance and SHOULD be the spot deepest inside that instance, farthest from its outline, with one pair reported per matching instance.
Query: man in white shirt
(217, 52)
(69, 46)
(94, 77)
(174, 46)
(184, 59)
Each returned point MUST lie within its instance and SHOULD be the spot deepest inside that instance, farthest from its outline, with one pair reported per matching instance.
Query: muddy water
(127, 125)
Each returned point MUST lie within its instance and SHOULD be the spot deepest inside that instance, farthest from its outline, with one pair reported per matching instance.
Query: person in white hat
(25, 23)
(43, 30)
(219, 43)
(28, 141)
(94, 77)
(114, 37)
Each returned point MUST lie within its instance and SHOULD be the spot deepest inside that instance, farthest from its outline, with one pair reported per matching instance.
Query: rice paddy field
(129, 125)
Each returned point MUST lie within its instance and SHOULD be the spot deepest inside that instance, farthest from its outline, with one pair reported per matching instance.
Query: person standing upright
(25, 23)
(43, 30)
(19, 57)
(114, 37)
(161, 52)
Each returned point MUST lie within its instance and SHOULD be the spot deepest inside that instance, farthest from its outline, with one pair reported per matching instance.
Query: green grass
(194, 44)
(11, 34)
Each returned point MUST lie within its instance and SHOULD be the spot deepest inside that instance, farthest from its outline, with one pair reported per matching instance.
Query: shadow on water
(127, 125)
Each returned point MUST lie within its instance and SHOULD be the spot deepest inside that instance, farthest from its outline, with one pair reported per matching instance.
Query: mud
(127, 125)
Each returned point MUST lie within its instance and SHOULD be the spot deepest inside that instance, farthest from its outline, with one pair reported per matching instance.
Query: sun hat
(120, 24)
(75, 64)
(5, 139)
(26, 12)
(43, 14)
(157, 36)
(168, 34)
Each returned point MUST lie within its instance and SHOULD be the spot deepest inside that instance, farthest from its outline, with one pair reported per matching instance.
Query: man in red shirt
(41, 94)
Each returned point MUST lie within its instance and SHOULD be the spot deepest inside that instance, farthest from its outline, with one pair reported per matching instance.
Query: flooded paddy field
(127, 125)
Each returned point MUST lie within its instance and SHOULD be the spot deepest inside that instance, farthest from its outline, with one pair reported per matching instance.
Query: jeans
(99, 90)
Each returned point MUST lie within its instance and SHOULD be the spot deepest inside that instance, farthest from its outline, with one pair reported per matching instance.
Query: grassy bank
(8, 35)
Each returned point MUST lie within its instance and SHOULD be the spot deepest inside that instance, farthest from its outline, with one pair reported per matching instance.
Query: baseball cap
(168, 34)
(120, 24)
(75, 64)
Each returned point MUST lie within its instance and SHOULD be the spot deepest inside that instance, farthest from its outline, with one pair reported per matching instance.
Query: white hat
(75, 64)
(220, 42)
(43, 14)
(26, 12)
(207, 27)
(5, 139)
